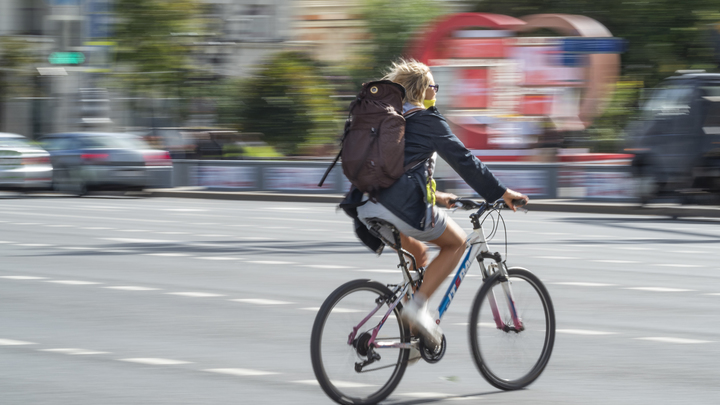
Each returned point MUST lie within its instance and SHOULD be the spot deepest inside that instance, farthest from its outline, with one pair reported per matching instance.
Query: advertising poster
(529, 182)
(471, 89)
(609, 185)
(227, 177)
(297, 178)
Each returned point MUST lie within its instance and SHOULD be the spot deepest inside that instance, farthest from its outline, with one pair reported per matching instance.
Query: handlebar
(468, 204)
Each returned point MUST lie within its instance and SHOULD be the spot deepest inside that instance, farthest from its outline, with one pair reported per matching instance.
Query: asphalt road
(111, 300)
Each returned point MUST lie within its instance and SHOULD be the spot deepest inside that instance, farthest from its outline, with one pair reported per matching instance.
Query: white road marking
(673, 340)
(269, 262)
(185, 210)
(216, 236)
(97, 228)
(325, 266)
(679, 265)
(155, 361)
(72, 282)
(131, 288)
(10, 342)
(336, 309)
(34, 244)
(261, 301)
(4, 241)
(23, 277)
(173, 233)
(713, 294)
(397, 271)
(585, 332)
(555, 257)
(658, 289)
(689, 251)
(132, 230)
(615, 261)
(78, 248)
(218, 258)
(59, 226)
(196, 294)
(119, 251)
(73, 351)
(260, 238)
(128, 240)
(240, 371)
(635, 248)
(27, 223)
(166, 254)
(581, 284)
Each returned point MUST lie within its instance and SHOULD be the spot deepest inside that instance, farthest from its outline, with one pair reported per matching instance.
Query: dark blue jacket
(427, 132)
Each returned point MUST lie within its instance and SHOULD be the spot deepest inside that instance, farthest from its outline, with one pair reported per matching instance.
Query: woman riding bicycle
(408, 203)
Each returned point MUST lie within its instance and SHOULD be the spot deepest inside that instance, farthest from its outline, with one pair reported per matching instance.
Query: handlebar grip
(521, 202)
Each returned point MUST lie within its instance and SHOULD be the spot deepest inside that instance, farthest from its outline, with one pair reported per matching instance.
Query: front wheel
(511, 358)
(350, 370)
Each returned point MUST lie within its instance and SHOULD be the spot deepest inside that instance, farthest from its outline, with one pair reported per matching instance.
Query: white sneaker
(419, 318)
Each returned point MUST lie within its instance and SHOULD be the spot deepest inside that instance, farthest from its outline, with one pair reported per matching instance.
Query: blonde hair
(412, 75)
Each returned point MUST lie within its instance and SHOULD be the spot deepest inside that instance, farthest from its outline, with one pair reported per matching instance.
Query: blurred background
(562, 83)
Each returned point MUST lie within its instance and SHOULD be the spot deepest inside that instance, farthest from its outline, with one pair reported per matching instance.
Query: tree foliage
(17, 68)
(288, 101)
(391, 25)
(151, 40)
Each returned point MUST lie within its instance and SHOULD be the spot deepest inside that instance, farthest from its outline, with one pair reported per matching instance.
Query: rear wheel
(350, 371)
(509, 358)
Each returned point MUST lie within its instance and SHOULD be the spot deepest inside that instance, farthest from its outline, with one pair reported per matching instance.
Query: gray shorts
(377, 210)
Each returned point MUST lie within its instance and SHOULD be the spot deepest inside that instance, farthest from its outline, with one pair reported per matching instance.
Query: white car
(23, 166)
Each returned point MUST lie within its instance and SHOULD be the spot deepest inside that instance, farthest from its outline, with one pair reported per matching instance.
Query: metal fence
(538, 180)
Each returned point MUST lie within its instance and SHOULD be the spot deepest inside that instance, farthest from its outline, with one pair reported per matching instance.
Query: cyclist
(409, 202)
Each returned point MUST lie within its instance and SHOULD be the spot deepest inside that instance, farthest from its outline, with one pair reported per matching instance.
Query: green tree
(150, 41)
(17, 68)
(391, 25)
(288, 101)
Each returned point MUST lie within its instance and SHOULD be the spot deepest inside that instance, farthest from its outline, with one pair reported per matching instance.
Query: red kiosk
(502, 89)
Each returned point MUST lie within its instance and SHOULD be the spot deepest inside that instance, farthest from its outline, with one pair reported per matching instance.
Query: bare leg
(452, 246)
(416, 248)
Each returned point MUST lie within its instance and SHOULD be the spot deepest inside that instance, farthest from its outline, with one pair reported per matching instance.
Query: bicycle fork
(507, 290)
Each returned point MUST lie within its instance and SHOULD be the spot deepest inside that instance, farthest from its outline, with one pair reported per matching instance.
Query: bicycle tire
(482, 323)
(344, 392)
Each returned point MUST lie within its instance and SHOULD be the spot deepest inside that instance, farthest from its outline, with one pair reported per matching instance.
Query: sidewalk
(570, 206)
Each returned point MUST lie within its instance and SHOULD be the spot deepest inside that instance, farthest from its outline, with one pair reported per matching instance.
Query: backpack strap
(348, 121)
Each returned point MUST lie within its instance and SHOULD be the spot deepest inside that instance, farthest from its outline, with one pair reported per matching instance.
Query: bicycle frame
(476, 248)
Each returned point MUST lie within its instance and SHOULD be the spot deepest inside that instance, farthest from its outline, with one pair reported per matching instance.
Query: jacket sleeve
(469, 167)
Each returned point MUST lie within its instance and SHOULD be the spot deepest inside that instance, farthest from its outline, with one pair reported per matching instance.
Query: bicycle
(361, 362)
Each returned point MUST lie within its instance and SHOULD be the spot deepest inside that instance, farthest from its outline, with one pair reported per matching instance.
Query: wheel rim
(338, 358)
(514, 359)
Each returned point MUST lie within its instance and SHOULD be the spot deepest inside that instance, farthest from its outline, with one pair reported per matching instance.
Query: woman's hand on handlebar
(442, 198)
(511, 195)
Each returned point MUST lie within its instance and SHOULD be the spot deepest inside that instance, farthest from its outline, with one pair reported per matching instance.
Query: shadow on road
(264, 248)
(440, 399)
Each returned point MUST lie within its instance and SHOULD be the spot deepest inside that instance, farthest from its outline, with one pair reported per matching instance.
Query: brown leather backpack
(373, 144)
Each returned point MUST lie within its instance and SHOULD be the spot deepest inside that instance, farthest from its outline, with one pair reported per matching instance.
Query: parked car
(23, 166)
(676, 141)
(85, 161)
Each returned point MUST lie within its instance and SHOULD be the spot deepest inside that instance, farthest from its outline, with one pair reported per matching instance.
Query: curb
(567, 206)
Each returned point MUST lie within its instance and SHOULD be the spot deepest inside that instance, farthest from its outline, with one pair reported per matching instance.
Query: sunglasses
(435, 87)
